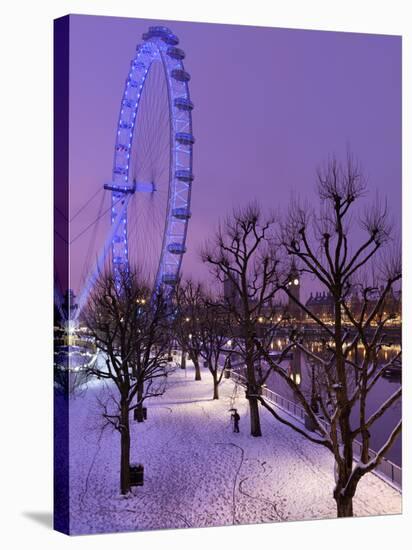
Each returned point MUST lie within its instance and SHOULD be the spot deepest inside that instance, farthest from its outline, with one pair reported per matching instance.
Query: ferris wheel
(152, 168)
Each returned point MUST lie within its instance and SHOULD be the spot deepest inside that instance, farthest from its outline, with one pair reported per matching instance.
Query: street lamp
(295, 376)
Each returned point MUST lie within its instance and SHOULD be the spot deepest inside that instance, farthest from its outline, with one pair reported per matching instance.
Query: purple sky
(270, 105)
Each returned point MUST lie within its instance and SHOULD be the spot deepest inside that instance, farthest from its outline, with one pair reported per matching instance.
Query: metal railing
(386, 470)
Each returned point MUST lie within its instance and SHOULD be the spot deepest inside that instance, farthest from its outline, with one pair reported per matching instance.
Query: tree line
(258, 256)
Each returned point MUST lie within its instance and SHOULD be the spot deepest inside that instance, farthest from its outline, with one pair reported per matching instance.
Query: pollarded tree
(340, 257)
(243, 257)
(213, 334)
(189, 301)
(129, 330)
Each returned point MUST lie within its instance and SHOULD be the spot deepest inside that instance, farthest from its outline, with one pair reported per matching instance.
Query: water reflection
(306, 373)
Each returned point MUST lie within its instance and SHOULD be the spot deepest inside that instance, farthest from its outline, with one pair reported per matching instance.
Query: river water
(302, 370)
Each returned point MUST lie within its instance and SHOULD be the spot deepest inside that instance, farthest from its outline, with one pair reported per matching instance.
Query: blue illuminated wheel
(152, 170)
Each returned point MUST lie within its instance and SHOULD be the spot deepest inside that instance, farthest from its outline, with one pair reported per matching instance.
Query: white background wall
(26, 267)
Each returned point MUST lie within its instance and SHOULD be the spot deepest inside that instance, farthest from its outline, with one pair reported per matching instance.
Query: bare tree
(213, 330)
(325, 246)
(243, 257)
(189, 301)
(128, 327)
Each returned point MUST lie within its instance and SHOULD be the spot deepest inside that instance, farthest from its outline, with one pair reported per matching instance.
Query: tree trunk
(124, 450)
(139, 407)
(255, 428)
(365, 446)
(252, 390)
(197, 367)
(215, 387)
(344, 506)
(183, 360)
(344, 491)
(344, 502)
(169, 352)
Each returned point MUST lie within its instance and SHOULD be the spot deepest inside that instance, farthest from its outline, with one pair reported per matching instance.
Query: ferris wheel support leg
(98, 268)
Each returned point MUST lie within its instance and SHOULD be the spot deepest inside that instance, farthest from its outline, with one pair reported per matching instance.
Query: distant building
(391, 306)
(322, 306)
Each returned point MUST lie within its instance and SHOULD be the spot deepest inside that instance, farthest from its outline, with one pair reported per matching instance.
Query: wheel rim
(140, 173)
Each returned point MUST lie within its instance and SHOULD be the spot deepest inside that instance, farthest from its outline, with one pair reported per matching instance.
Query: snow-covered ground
(197, 471)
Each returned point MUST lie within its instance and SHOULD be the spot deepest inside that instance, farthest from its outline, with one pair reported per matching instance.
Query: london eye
(152, 168)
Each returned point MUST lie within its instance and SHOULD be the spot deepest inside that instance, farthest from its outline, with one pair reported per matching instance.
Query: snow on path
(197, 471)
